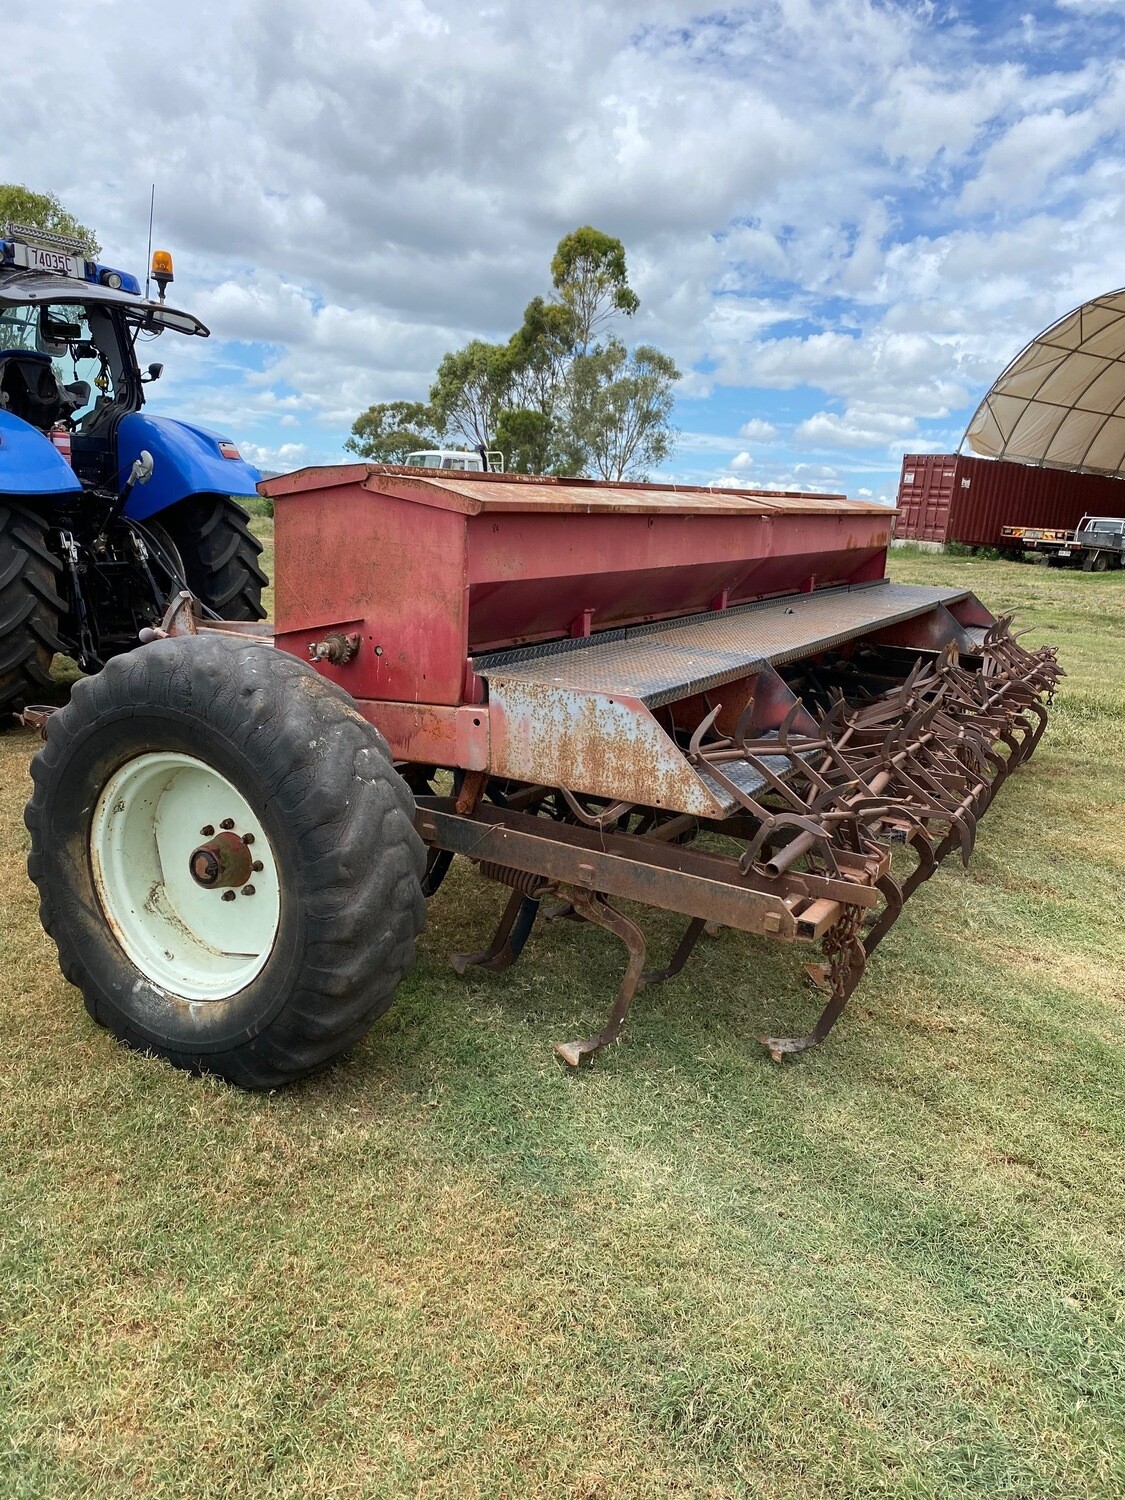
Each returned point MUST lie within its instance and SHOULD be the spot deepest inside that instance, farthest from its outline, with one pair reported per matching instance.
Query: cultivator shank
(916, 765)
(837, 786)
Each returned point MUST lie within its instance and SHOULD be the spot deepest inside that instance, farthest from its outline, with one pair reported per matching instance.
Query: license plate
(1064, 551)
(36, 259)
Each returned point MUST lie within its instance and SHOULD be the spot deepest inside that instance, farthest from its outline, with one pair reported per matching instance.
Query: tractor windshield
(59, 361)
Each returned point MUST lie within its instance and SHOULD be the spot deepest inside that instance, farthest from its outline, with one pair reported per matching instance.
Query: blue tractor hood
(187, 460)
(30, 464)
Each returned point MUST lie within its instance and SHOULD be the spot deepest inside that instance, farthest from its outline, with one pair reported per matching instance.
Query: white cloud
(262, 309)
(1017, 168)
(854, 428)
(757, 430)
(284, 458)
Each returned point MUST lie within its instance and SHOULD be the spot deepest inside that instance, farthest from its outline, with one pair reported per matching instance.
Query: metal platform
(663, 662)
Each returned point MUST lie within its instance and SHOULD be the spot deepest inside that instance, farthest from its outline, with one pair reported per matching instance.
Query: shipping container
(950, 497)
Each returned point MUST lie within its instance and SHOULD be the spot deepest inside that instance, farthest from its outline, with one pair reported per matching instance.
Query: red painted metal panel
(532, 575)
(957, 498)
(924, 494)
(992, 493)
(427, 572)
(392, 572)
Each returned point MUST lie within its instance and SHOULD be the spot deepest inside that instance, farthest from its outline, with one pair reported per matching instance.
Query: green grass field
(446, 1268)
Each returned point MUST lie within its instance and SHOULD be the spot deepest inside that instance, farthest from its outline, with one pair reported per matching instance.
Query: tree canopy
(562, 396)
(621, 408)
(20, 205)
(391, 430)
(588, 272)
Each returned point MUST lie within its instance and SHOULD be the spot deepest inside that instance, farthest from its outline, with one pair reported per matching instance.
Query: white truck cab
(1105, 531)
(455, 458)
(1096, 543)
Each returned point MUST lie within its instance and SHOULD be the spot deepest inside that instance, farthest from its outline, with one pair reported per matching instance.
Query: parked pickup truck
(1096, 543)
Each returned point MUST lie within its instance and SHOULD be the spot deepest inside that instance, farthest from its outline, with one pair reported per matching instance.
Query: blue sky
(842, 218)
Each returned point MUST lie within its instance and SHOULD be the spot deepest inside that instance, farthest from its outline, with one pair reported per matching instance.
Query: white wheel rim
(153, 813)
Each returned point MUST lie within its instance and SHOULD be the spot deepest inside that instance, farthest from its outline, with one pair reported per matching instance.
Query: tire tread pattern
(220, 555)
(361, 861)
(30, 607)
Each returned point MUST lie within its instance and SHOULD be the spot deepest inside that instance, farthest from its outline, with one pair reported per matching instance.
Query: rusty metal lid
(474, 493)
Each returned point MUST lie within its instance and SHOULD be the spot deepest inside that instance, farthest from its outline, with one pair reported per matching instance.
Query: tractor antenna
(151, 210)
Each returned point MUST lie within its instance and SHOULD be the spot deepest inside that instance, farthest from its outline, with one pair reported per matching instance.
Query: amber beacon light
(162, 270)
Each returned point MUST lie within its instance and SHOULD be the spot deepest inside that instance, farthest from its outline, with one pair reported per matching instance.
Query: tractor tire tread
(220, 555)
(30, 607)
(350, 814)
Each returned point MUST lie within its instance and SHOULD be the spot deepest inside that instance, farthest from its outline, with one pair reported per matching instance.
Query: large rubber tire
(336, 824)
(220, 554)
(30, 608)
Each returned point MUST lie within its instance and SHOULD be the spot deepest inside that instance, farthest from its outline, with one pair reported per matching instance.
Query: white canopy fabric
(1061, 402)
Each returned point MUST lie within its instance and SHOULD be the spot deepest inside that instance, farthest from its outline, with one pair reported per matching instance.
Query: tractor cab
(124, 507)
(70, 332)
(63, 366)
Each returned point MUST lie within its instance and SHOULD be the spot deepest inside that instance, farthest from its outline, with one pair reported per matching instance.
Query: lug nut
(247, 890)
(207, 830)
(228, 895)
(257, 866)
(227, 823)
(247, 838)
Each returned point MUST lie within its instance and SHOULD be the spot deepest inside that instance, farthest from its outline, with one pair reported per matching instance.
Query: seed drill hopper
(710, 701)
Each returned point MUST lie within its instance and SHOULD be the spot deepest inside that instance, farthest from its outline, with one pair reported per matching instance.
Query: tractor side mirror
(154, 372)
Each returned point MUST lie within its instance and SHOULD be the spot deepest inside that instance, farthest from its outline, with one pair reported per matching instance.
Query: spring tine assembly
(821, 801)
(918, 765)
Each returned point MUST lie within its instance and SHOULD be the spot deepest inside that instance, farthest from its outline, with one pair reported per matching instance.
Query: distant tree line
(564, 395)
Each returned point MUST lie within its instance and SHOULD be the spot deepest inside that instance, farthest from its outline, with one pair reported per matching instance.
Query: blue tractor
(105, 511)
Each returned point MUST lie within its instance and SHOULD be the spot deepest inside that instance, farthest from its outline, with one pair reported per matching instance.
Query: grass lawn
(446, 1268)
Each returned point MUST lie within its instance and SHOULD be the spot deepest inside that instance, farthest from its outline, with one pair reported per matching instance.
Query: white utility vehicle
(1095, 544)
(456, 458)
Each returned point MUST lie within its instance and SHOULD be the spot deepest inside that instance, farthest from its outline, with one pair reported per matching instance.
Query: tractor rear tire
(30, 608)
(220, 555)
(263, 977)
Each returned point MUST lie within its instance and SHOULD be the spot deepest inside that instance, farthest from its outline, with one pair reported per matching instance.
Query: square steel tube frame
(692, 882)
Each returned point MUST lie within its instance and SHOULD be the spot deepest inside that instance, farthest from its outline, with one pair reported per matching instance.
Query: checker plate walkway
(662, 662)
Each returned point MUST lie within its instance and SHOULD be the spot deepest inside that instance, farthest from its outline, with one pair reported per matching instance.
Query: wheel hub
(223, 861)
(177, 903)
